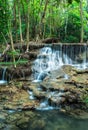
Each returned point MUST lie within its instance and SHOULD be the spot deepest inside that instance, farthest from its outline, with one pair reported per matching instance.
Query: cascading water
(3, 81)
(52, 58)
(50, 61)
(46, 62)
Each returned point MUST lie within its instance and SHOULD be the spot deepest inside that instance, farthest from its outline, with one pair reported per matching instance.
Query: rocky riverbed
(64, 90)
(20, 100)
(71, 93)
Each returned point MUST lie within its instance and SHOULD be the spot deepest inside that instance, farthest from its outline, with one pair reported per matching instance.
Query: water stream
(45, 120)
(50, 61)
(47, 117)
(3, 81)
(54, 120)
(53, 58)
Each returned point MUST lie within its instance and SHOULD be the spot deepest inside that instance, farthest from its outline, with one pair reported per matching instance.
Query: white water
(31, 96)
(0, 54)
(49, 63)
(44, 105)
(3, 81)
(52, 59)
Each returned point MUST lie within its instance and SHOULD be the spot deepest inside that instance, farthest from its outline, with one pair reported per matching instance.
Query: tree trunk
(12, 46)
(81, 18)
(42, 18)
(27, 35)
(20, 26)
(10, 35)
(15, 21)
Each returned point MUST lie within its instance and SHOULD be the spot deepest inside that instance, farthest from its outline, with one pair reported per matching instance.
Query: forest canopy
(26, 20)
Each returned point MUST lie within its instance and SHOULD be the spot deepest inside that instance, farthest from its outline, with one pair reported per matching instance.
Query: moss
(85, 98)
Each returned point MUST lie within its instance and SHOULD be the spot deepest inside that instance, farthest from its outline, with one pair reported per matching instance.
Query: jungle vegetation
(26, 20)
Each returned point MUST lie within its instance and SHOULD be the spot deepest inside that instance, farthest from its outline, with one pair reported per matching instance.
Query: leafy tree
(34, 19)
(4, 16)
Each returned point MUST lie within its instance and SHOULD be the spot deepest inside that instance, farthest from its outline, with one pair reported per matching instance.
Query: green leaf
(23, 61)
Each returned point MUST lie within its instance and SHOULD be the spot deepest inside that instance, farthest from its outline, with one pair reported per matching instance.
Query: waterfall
(3, 81)
(54, 57)
(3, 75)
(84, 57)
(0, 54)
(50, 62)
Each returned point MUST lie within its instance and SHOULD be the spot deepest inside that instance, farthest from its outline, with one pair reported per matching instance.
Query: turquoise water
(53, 120)
(41, 120)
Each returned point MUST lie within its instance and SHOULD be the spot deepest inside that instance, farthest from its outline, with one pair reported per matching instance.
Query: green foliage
(70, 1)
(85, 99)
(71, 29)
(18, 60)
(15, 53)
(21, 61)
(4, 16)
(54, 22)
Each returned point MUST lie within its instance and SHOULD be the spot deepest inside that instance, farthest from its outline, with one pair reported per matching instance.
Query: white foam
(31, 96)
(3, 82)
(51, 60)
(45, 106)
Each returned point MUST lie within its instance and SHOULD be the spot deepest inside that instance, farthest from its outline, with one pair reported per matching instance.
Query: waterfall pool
(54, 120)
(44, 120)
(44, 112)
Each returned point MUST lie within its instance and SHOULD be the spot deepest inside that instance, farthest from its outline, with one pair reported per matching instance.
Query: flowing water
(49, 63)
(46, 117)
(54, 57)
(44, 120)
(54, 120)
(3, 81)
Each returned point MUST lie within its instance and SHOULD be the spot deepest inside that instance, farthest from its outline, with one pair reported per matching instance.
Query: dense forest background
(26, 20)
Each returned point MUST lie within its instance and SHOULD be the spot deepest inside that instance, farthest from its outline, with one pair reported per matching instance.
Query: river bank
(63, 89)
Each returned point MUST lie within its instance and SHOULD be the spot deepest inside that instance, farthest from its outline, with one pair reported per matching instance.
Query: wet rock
(83, 115)
(3, 116)
(30, 55)
(25, 56)
(29, 114)
(12, 118)
(37, 124)
(56, 74)
(28, 106)
(10, 107)
(80, 80)
(50, 40)
(2, 125)
(78, 113)
(32, 46)
(23, 123)
(39, 95)
(57, 86)
(11, 127)
(71, 98)
(19, 72)
(56, 101)
(69, 70)
(16, 98)
(25, 87)
(82, 71)
(33, 55)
